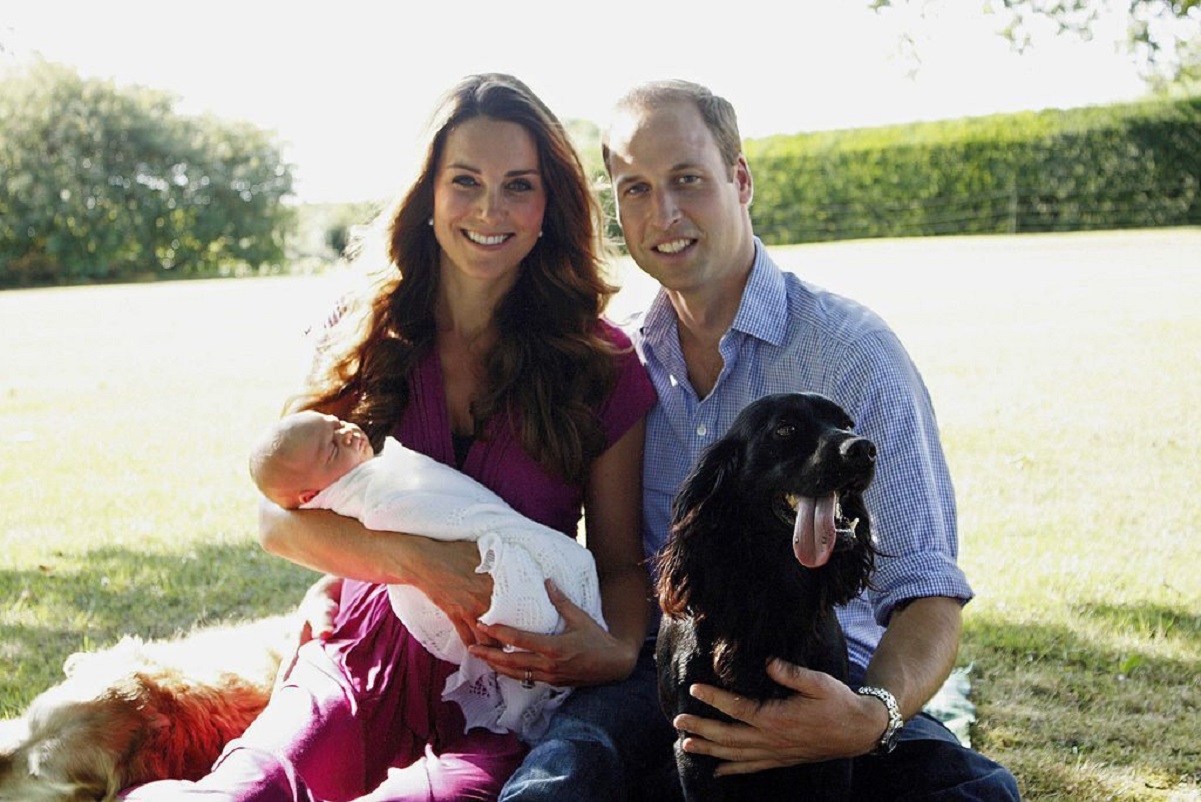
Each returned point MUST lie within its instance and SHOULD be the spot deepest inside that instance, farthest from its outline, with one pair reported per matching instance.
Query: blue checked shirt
(791, 336)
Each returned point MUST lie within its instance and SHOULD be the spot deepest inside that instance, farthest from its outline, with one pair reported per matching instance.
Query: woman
(482, 347)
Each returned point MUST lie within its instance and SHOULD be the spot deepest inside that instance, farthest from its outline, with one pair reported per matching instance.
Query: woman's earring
(539, 233)
(431, 221)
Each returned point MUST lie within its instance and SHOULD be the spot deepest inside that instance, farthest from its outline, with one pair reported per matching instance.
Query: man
(729, 327)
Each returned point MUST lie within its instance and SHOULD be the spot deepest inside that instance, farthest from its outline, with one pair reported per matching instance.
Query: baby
(305, 453)
(309, 460)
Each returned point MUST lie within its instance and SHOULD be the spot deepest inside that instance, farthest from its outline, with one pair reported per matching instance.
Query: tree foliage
(1163, 35)
(99, 182)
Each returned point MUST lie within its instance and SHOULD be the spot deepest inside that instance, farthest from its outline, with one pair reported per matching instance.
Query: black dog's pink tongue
(813, 535)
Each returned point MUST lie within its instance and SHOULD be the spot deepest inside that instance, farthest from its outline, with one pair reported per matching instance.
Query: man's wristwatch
(892, 733)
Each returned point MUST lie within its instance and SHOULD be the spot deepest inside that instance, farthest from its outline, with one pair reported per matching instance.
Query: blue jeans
(602, 743)
(613, 743)
(929, 763)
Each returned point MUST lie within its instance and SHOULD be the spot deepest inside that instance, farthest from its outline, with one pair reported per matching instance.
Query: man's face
(682, 209)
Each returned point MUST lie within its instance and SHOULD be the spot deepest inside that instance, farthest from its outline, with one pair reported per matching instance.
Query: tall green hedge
(1124, 166)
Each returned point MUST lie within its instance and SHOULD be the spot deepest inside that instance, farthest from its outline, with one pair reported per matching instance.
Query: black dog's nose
(859, 451)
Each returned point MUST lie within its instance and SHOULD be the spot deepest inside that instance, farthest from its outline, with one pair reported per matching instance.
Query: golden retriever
(141, 711)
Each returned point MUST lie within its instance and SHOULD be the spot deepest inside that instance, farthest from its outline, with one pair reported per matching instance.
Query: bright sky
(348, 85)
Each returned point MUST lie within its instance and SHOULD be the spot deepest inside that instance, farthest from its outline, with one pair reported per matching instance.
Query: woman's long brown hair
(550, 367)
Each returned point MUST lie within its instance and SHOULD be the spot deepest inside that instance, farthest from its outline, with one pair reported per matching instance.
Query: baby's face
(330, 448)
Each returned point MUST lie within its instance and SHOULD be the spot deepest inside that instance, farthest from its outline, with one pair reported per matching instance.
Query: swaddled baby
(310, 460)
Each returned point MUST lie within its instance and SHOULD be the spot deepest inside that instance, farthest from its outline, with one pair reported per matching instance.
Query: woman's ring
(528, 682)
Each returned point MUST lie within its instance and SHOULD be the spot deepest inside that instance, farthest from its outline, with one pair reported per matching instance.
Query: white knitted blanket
(402, 490)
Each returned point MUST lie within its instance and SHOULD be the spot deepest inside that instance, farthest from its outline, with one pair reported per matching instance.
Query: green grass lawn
(1066, 371)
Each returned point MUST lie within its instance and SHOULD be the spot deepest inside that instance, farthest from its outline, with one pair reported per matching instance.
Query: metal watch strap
(889, 739)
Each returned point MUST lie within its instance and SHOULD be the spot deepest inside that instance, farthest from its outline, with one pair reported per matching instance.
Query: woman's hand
(319, 607)
(583, 654)
(316, 613)
(445, 571)
(339, 545)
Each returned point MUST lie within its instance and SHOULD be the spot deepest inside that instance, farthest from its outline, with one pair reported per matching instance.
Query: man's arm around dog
(825, 719)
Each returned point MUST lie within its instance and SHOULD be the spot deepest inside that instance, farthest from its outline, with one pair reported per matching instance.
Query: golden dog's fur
(141, 711)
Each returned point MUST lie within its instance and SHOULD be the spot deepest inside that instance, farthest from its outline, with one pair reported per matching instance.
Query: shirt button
(702, 430)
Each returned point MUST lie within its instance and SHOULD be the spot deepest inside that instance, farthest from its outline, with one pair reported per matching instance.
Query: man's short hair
(717, 112)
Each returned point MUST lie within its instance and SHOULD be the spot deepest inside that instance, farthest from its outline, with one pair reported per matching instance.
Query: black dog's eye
(785, 431)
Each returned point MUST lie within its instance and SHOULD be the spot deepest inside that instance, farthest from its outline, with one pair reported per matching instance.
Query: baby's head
(304, 453)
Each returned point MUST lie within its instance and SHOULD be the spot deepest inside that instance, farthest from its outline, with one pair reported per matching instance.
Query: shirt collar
(761, 312)
(659, 321)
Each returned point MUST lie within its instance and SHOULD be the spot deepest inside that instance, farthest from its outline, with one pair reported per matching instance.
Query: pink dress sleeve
(632, 396)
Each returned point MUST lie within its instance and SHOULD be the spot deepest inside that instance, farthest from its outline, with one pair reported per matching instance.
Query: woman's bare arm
(338, 545)
(613, 517)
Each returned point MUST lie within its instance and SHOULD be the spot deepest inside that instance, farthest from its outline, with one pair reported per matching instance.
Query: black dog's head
(780, 494)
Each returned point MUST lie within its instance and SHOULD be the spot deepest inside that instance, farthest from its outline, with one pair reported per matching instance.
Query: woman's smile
(489, 199)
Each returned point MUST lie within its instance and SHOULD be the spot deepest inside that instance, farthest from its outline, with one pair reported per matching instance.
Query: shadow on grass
(1151, 620)
(1086, 712)
(55, 611)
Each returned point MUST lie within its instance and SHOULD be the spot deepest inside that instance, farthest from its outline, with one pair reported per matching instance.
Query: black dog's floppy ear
(710, 483)
(680, 564)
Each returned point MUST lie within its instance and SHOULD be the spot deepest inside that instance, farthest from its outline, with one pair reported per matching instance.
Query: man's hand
(583, 654)
(823, 720)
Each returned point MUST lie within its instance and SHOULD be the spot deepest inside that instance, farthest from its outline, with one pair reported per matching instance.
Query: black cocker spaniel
(769, 534)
